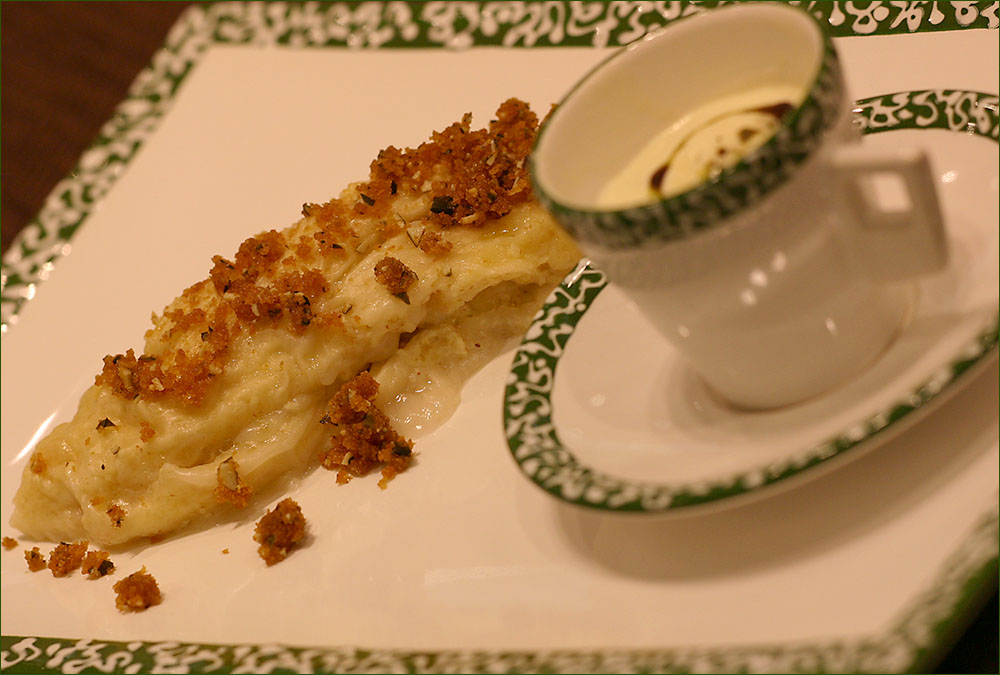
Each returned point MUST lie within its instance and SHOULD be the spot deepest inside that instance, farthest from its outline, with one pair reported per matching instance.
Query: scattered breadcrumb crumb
(395, 276)
(225, 551)
(433, 244)
(279, 530)
(117, 514)
(9, 543)
(146, 431)
(66, 558)
(37, 463)
(97, 564)
(137, 592)
(35, 559)
(363, 438)
(231, 487)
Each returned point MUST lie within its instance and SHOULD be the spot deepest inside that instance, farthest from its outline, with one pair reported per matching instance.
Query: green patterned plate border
(528, 410)
(387, 25)
(911, 644)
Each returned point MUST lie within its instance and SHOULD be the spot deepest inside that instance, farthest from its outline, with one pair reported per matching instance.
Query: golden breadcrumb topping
(231, 487)
(117, 514)
(66, 558)
(97, 564)
(395, 276)
(278, 531)
(472, 176)
(37, 463)
(258, 291)
(363, 437)
(9, 543)
(467, 177)
(35, 560)
(137, 592)
(433, 244)
(146, 431)
(132, 377)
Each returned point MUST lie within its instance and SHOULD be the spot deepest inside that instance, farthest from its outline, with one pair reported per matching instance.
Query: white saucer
(627, 427)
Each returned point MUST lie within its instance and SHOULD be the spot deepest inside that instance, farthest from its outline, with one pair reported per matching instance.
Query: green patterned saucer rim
(532, 437)
(731, 191)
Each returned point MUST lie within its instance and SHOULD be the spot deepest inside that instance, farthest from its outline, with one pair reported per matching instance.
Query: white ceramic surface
(462, 565)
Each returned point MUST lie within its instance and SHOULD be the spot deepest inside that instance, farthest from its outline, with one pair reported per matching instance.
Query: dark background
(63, 69)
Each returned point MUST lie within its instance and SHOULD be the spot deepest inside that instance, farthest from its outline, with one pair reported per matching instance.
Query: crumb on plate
(97, 564)
(9, 543)
(137, 592)
(66, 558)
(35, 559)
(279, 530)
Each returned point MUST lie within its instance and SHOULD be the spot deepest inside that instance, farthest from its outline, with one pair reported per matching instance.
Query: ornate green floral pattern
(550, 23)
(904, 647)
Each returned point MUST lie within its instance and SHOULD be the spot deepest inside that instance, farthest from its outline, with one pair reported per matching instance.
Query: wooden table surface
(64, 67)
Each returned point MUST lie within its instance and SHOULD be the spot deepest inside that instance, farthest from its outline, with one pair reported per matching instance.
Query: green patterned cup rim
(801, 132)
(531, 432)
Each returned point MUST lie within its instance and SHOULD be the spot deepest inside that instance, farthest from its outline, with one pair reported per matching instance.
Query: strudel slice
(416, 277)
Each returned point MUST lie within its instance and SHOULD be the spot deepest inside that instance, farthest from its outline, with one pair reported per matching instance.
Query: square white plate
(462, 565)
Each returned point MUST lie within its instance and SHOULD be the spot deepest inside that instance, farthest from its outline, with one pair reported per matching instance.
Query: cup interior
(653, 83)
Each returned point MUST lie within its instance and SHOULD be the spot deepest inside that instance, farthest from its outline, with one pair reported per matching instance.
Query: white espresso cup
(712, 171)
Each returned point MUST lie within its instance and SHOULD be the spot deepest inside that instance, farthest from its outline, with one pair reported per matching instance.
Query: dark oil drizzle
(656, 180)
(779, 110)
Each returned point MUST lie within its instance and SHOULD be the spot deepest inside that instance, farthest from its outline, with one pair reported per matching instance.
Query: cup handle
(890, 199)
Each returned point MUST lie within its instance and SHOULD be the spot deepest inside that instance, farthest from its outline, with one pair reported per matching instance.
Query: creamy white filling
(698, 144)
(264, 410)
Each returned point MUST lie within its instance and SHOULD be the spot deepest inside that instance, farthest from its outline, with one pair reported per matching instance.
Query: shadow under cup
(752, 274)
